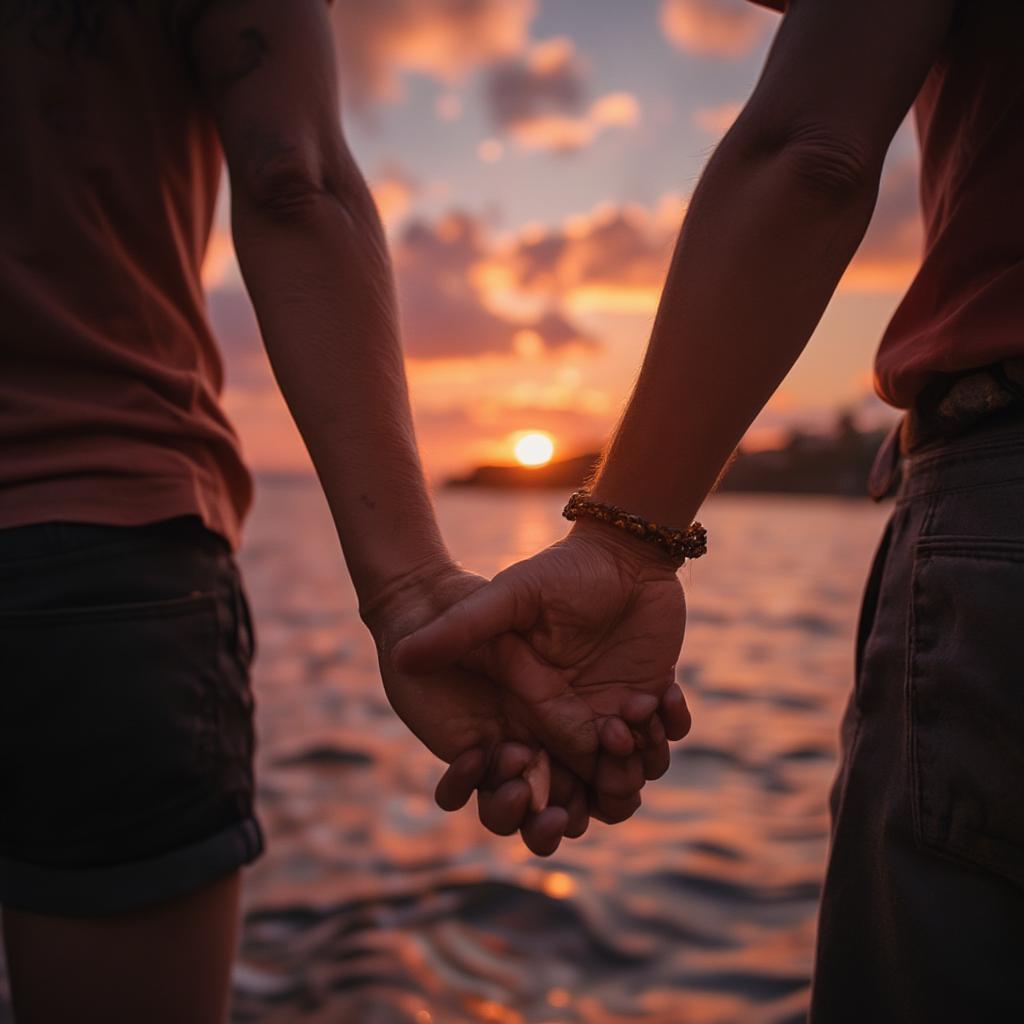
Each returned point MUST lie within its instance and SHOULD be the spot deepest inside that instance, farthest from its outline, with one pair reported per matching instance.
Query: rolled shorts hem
(121, 888)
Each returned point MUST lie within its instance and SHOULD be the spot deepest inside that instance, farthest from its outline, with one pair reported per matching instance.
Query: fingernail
(538, 777)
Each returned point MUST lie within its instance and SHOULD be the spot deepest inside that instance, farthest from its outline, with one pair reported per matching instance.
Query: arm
(314, 259)
(776, 218)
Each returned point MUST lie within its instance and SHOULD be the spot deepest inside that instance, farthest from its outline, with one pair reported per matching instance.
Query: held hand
(484, 732)
(465, 719)
(504, 799)
(585, 635)
(451, 710)
(460, 716)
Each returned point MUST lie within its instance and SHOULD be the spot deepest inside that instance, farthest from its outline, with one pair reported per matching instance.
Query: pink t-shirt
(109, 375)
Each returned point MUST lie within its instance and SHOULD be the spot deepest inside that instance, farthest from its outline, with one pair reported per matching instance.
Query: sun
(534, 448)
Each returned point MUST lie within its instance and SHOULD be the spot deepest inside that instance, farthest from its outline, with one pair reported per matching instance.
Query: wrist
(380, 598)
(623, 547)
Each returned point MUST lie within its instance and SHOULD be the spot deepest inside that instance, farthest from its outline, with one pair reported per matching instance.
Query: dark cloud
(547, 81)
(540, 100)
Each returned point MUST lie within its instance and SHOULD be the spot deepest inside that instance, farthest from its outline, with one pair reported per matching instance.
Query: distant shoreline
(835, 464)
(806, 464)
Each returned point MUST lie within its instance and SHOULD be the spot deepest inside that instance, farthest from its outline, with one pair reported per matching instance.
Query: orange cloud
(219, 260)
(490, 151)
(719, 28)
(565, 134)
(379, 39)
(459, 421)
(890, 254)
(613, 259)
(621, 108)
(393, 191)
(445, 309)
(717, 120)
(270, 439)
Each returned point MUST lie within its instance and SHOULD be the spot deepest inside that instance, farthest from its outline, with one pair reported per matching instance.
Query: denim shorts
(126, 716)
(922, 918)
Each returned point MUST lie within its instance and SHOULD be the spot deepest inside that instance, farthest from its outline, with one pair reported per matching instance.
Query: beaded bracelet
(678, 544)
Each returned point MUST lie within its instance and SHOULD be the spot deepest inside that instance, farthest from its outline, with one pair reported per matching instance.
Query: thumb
(462, 628)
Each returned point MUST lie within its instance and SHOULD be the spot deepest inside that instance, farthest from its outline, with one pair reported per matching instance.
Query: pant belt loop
(886, 470)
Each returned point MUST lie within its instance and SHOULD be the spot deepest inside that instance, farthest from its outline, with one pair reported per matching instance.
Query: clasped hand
(550, 690)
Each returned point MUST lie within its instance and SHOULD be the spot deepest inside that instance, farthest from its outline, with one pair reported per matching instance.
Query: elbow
(825, 165)
(289, 186)
(832, 167)
(286, 188)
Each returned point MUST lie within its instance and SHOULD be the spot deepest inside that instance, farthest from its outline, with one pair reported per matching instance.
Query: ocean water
(373, 906)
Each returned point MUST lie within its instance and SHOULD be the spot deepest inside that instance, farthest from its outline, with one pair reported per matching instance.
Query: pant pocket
(966, 701)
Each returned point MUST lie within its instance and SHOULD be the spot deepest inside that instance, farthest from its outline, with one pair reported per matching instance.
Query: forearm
(320, 278)
(764, 243)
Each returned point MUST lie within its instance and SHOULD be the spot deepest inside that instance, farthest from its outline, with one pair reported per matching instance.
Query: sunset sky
(532, 161)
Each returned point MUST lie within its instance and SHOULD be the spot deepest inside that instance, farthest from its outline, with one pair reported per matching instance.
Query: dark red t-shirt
(965, 307)
(110, 378)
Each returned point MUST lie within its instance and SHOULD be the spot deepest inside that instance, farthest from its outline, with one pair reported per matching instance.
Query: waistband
(991, 453)
(951, 409)
(952, 405)
(56, 537)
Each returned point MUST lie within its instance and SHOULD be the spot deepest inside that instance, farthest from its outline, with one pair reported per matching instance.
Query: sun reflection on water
(559, 885)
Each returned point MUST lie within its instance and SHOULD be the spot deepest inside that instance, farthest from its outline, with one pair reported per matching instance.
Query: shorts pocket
(227, 735)
(966, 701)
(102, 712)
